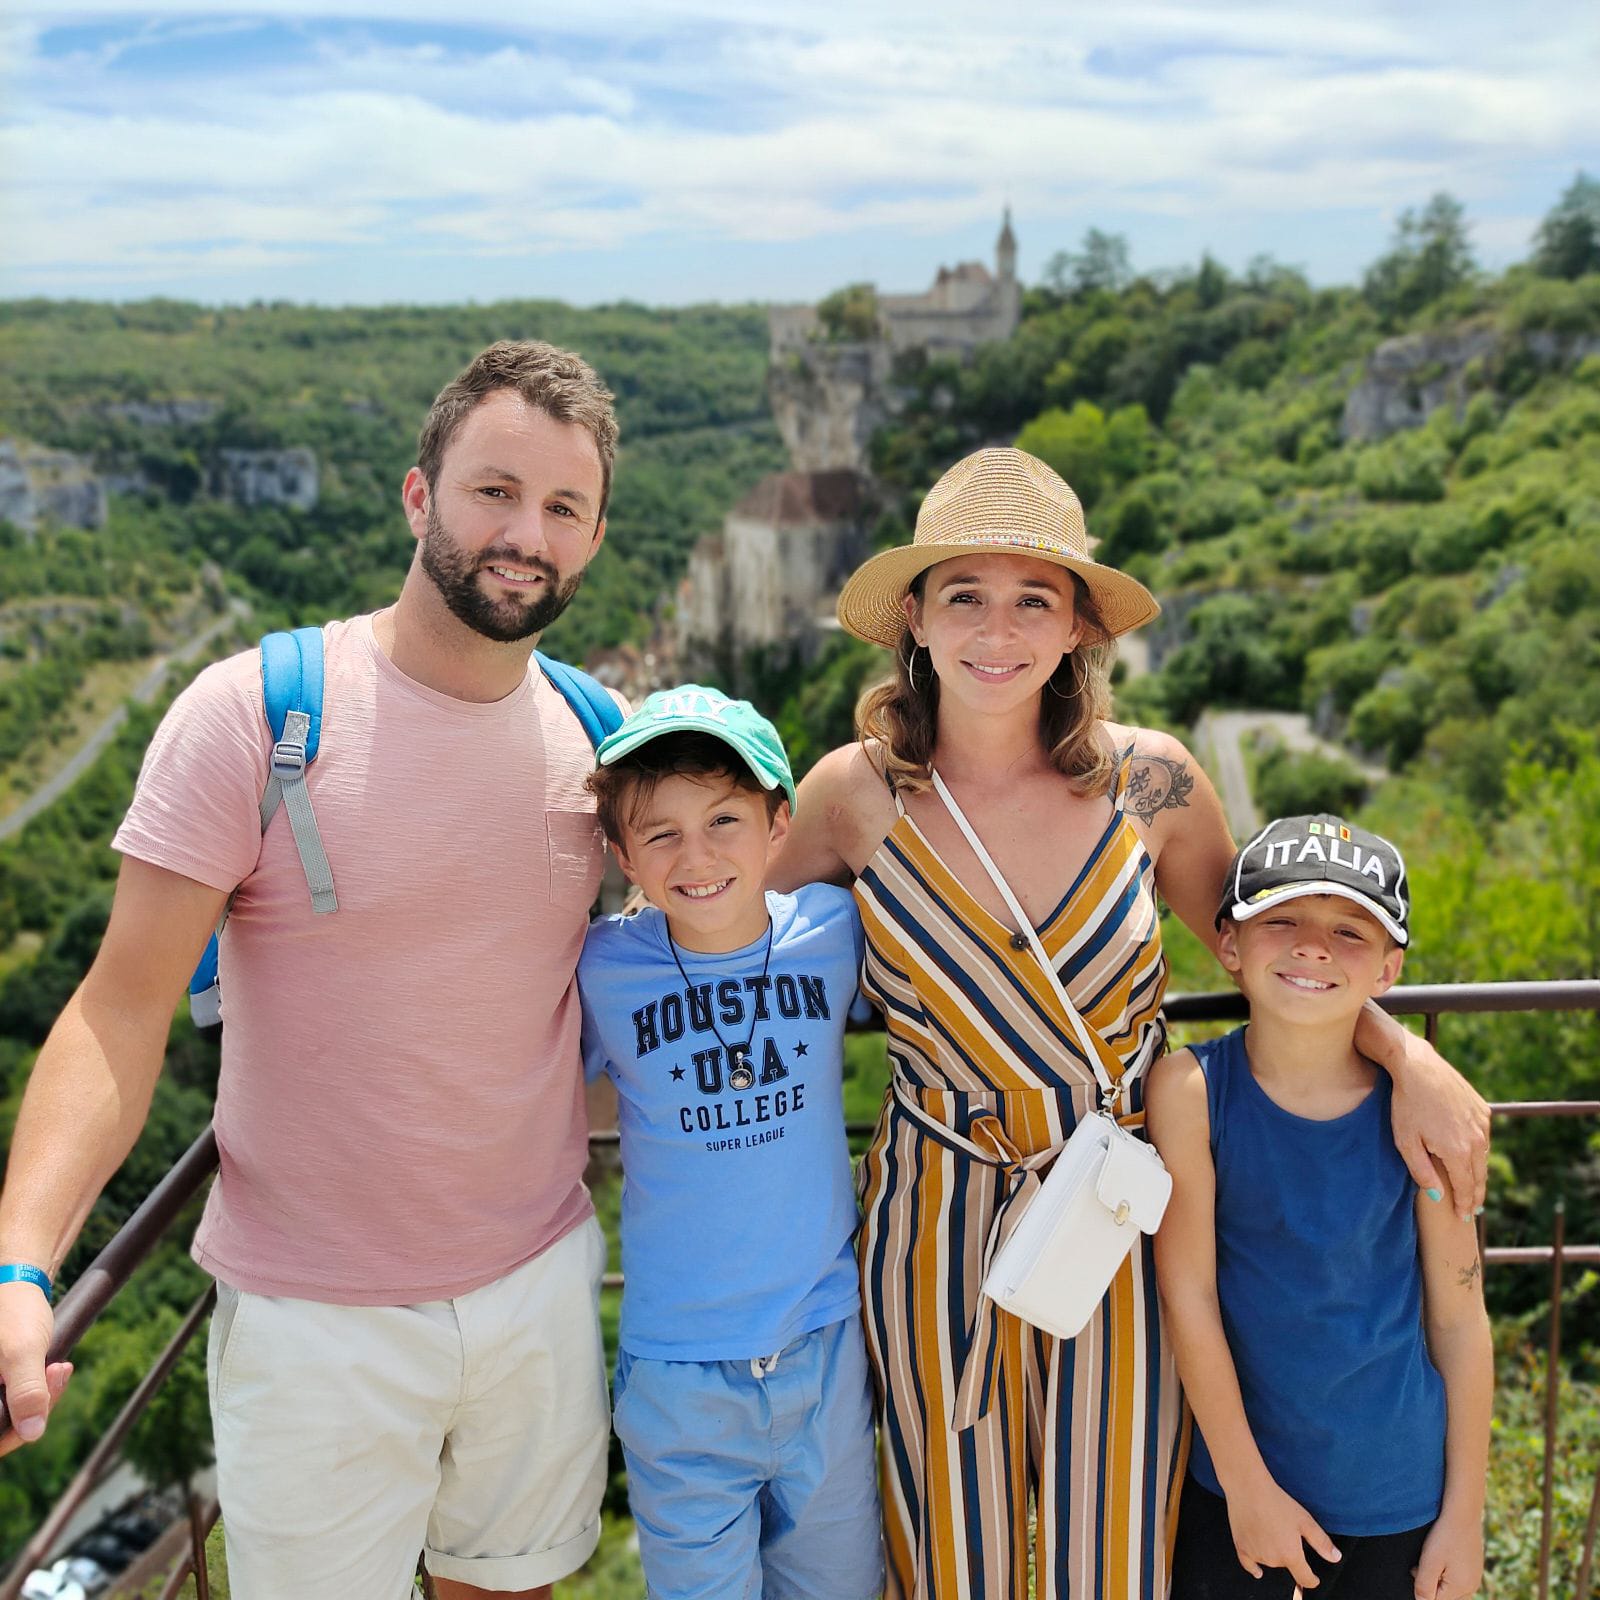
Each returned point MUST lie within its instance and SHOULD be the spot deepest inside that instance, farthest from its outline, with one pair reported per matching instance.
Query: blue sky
(364, 151)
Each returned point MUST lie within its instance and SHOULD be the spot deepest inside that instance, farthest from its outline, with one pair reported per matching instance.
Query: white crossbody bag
(1105, 1187)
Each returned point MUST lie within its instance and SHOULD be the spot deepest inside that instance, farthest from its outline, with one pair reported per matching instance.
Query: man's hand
(26, 1326)
(1437, 1115)
(1272, 1529)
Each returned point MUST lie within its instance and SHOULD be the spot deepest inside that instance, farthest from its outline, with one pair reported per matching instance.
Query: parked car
(70, 1578)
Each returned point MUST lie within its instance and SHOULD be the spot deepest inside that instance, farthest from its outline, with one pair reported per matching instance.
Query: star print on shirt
(802, 1048)
(677, 1074)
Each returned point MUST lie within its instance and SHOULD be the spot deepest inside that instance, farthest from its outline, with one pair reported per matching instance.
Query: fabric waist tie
(989, 1144)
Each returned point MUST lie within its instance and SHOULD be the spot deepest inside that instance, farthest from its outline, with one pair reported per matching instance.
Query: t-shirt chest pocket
(577, 858)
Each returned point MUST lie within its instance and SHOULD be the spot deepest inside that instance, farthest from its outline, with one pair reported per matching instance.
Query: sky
(364, 151)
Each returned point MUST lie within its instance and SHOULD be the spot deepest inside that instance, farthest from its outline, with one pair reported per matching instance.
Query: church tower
(1008, 292)
(1005, 251)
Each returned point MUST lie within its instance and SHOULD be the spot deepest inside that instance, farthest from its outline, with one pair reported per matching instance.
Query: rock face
(164, 413)
(784, 549)
(828, 400)
(1409, 378)
(39, 485)
(266, 478)
(829, 396)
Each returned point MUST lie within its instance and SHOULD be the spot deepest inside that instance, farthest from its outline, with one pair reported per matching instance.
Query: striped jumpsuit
(978, 1407)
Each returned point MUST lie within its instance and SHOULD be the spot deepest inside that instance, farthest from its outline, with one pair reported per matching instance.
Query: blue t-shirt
(1321, 1292)
(738, 1208)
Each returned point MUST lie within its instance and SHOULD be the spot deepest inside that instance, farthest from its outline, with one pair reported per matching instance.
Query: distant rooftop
(790, 498)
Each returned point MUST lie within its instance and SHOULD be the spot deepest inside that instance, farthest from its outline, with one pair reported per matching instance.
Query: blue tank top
(1321, 1293)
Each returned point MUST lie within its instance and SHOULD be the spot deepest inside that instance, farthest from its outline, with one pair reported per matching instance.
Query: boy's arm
(1270, 1528)
(1458, 1340)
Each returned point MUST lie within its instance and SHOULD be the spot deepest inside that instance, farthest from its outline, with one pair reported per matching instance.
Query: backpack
(291, 684)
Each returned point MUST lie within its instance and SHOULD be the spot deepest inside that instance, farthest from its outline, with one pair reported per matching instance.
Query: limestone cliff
(1409, 378)
(266, 478)
(828, 400)
(39, 485)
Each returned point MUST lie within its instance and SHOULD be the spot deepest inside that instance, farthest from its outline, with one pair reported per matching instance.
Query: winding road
(147, 688)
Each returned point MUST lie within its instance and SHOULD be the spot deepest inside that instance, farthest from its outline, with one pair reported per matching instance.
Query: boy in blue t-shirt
(741, 1396)
(1327, 1320)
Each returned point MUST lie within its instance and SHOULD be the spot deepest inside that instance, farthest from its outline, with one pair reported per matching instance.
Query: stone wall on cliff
(41, 485)
(784, 550)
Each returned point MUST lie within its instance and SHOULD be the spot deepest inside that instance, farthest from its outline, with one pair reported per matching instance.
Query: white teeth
(993, 672)
(515, 577)
(1307, 983)
(702, 891)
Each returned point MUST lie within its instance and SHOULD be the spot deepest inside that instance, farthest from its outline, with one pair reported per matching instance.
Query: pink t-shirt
(400, 1110)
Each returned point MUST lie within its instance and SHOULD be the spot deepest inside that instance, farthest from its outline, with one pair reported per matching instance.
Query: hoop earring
(1080, 671)
(911, 668)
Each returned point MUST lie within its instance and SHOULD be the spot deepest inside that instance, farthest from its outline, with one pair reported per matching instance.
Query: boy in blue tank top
(1327, 1320)
(742, 1395)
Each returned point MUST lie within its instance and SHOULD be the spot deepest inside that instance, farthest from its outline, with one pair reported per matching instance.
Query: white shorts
(352, 1438)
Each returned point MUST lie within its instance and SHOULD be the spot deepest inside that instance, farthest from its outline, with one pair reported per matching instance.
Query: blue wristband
(18, 1272)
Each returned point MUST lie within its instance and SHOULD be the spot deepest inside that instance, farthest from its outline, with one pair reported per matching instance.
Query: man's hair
(623, 789)
(556, 382)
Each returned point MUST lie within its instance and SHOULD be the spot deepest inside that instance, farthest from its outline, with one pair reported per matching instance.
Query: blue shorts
(755, 1480)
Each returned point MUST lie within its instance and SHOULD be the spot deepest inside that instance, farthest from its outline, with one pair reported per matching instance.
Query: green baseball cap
(693, 708)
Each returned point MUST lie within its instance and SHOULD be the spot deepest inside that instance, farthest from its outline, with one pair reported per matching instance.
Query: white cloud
(719, 122)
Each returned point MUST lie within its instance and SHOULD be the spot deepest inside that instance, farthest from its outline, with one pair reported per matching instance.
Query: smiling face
(699, 848)
(996, 627)
(1315, 959)
(513, 519)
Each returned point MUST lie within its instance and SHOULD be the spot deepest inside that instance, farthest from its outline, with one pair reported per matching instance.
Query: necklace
(741, 1075)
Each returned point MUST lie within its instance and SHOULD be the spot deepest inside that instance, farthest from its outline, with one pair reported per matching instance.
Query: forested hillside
(1378, 505)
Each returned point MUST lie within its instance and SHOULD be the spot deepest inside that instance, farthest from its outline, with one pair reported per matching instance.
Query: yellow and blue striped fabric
(987, 1072)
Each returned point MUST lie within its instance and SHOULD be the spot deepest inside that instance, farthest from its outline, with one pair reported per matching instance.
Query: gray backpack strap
(287, 786)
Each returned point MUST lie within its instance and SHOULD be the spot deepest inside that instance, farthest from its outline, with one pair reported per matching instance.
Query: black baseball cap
(1297, 856)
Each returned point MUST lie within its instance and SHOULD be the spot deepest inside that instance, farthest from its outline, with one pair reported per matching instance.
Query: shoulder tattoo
(1156, 784)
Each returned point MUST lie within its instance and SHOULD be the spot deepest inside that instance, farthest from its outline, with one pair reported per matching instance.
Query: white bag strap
(1110, 1092)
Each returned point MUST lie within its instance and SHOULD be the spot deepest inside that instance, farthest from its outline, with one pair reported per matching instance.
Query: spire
(1005, 250)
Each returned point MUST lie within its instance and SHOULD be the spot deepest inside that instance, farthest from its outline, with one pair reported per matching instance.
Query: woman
(1002, 626)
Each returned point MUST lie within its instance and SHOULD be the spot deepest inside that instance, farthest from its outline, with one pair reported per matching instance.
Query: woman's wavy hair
(902, 713)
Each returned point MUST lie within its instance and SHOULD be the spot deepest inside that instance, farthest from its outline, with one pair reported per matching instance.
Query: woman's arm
(1185, 833)
(842, 811)
(1270, 1528)
(1451, 1564)
(1437, 1115)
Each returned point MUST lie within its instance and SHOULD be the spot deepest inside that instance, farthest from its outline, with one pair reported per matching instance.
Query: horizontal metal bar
(1414, 999)
(1537, 1254)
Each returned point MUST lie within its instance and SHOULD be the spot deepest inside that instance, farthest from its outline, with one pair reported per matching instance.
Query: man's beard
(505, 620)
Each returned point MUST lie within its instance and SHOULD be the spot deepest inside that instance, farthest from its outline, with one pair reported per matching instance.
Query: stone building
(967, 306)
(784, 550)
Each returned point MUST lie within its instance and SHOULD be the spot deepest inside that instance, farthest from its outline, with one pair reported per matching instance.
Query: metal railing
(111, 1269)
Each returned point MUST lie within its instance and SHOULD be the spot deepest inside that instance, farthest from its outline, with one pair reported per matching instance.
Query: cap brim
(872, 602)
(1239, 911)
(626, 740)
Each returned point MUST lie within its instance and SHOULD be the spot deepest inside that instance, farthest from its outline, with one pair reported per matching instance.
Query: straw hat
(993, 500)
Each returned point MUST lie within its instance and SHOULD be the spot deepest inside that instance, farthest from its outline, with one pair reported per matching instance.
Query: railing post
(1430, 1027)
(1552, 1384)
(1580, 1589)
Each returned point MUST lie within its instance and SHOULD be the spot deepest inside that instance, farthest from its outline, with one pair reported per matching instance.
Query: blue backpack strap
(291, 698)
(599, 714)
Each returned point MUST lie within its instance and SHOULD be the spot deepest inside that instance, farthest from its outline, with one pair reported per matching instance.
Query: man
(406, 1350)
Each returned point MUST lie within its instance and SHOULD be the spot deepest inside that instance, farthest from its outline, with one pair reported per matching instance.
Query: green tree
(1102, 263)
(1074, 443)
(1430, 255)
(1567, 244)
(850, 313)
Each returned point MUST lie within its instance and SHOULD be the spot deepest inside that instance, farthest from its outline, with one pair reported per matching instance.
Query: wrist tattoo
(1467, 1276)
(1156, 784)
